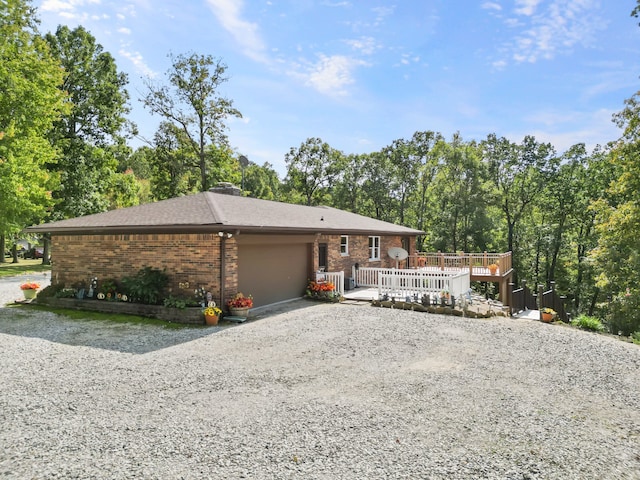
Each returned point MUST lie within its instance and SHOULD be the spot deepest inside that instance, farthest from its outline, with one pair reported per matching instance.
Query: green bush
(623, 314)
(179, 302)
(588, 323)
(635, 337)
(51, 291)
(147, 286)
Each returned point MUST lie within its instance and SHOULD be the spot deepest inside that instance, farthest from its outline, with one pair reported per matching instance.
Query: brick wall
(192, 259)
(358, 252)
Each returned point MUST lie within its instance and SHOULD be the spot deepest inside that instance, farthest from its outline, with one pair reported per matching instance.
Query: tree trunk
(2, 247)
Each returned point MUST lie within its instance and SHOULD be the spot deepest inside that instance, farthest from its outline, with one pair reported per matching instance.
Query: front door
(322, 257)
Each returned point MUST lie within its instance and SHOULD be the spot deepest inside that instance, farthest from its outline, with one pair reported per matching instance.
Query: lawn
(8, 269)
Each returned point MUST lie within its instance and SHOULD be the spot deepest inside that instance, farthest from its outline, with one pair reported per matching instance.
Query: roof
(212, 212)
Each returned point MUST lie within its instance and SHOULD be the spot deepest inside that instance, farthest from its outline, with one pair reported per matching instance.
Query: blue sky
(361, 74)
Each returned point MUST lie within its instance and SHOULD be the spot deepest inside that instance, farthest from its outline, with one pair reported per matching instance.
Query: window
(374, 248)
(344, 245)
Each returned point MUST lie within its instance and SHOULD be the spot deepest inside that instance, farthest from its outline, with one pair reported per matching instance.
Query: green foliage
(90, 135)
(623, 313)
(311, 170)
(175, 302)
(635, 338)
(191, 103)
(147, 286)
(30, 101)
(587, 322)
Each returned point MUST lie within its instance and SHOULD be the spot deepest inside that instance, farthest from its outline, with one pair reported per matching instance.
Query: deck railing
(476, 263)
(337, 278)
(404, 283)
(415, 284)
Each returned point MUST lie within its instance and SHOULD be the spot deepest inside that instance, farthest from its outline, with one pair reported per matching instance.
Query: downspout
(223, 246)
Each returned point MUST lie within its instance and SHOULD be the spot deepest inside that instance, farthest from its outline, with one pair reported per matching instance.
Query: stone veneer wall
(191, 259)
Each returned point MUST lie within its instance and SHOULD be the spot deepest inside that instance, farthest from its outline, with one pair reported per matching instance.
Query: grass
(104, 317)
(8, 269)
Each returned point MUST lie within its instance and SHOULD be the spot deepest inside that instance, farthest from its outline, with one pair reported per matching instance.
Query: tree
(191, 101)
(262, 181)
(519, 174)
(618, 222)
(459, 220)
(29, 104)
(311, 169)
(90, 136)
(170, 161)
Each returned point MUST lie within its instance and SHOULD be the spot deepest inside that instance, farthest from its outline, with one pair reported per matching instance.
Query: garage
(273, 272)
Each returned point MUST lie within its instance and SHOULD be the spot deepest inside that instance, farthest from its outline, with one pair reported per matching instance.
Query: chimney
(226, 188)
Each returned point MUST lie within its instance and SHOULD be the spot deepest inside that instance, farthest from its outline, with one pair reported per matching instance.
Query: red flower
(240, 301)
(30, 286)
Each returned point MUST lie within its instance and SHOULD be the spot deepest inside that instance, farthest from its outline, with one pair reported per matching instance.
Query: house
(224, 242)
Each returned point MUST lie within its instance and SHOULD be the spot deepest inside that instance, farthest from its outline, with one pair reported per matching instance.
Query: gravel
(316, 391)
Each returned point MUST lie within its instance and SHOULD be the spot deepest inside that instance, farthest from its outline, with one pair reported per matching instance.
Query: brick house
(224, 242)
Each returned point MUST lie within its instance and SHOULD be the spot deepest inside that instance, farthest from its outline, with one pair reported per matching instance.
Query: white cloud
(565, 129)
(365, 45)
(228, 13)
(138, 62)
(331, 75)
(548, 30)
(526, 7)
(491, 6)
(65, 5)
(124, 31)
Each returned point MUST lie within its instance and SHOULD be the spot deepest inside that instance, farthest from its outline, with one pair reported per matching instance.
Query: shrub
(51, 291)
(147, 286)
(588, 323)
(635, 338)
(623, 316)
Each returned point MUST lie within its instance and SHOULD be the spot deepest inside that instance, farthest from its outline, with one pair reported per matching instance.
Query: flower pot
(211, 319)
(30, 293)
(239, 312)
(547, 317)
(493, 270)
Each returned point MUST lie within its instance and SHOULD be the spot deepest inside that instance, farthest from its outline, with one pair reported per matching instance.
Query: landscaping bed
(189, 315)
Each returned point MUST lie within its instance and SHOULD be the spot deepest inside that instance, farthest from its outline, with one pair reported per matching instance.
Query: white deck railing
(337, 278)
(410, 283)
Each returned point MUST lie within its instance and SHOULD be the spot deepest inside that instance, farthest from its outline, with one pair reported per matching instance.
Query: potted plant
(211, 314)
(548, 314)
(239, 305)
(29, 290)
(444, 297)
(493, 268)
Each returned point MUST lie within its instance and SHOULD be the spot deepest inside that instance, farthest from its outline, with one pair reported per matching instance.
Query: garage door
(273, 273)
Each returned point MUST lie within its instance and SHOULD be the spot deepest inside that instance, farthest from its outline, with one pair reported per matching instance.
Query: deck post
(540, 300)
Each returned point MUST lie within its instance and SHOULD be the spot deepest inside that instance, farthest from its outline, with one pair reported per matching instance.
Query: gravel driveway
(319, 391)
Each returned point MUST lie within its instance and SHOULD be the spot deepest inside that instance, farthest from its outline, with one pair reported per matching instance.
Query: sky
(361, 74)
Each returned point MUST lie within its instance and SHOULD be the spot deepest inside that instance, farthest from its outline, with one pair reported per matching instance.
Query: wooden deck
(476, 263)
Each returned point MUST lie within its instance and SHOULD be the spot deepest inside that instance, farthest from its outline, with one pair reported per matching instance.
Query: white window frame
(374, 248)
(344, 245)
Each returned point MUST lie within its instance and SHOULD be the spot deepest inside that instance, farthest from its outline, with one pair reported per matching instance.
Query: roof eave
(121, 229)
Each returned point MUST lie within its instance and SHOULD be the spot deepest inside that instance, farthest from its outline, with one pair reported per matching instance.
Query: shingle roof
(209, 211)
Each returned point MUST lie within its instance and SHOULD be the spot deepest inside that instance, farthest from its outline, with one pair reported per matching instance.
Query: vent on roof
(226, 188)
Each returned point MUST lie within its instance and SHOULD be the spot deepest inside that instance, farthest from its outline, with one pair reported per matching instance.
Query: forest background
(569, 217)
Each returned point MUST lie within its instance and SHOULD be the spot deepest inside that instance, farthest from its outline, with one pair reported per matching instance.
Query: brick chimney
(226, 188)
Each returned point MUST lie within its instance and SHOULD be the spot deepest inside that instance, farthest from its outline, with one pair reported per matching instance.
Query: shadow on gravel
(121, 337)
